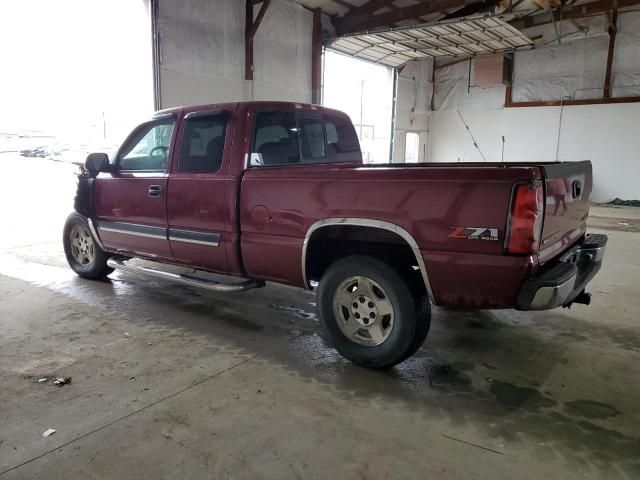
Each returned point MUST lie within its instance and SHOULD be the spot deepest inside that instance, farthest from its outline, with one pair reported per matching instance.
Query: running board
(186, 279)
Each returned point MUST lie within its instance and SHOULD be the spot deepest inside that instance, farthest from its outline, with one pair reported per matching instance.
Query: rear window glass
(312, 143)
(203, 144)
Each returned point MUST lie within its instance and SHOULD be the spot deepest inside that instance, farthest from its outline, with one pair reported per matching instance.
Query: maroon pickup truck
(277, 192)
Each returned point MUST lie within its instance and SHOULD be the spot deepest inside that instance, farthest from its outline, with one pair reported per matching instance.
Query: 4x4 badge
(474, 233)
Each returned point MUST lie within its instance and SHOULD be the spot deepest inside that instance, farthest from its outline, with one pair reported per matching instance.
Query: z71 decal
(474, 233)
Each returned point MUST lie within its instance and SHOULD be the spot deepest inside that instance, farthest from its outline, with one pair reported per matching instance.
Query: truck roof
(234, 105)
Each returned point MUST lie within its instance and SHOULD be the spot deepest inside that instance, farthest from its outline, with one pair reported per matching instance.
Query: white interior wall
(413, 104)
(202, 52)
(604, 134)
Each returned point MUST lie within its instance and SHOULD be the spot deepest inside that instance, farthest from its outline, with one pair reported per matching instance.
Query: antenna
(503, 139)
(475, 143)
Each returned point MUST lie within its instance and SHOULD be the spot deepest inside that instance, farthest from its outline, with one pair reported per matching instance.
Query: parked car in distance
(277, 192)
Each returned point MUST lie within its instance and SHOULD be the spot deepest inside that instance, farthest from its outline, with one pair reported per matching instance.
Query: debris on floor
(626, 203)
(49, 432)
(60, 381)
(43, 379)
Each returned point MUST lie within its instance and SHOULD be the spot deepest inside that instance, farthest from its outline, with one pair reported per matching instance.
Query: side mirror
(97, 162)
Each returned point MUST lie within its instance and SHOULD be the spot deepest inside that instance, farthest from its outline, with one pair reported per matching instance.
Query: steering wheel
(160, 148)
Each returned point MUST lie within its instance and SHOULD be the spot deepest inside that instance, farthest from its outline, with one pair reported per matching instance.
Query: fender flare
(370, 223)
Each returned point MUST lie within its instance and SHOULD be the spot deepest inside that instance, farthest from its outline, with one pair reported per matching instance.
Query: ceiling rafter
(345, 4)
(598, 7)
(355, 22)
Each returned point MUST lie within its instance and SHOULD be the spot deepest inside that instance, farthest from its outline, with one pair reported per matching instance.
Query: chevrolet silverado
(276, 191)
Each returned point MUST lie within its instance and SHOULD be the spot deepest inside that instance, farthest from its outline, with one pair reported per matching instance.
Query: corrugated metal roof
(398, 46)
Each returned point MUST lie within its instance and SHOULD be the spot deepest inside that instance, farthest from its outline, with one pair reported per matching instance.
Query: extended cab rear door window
(148, 148)
(202, 146)
(276, 138)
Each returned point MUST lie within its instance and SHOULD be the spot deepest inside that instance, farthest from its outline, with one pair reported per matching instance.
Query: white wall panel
(604, 134)
(282, 53)
(413, 105)
(202, 52)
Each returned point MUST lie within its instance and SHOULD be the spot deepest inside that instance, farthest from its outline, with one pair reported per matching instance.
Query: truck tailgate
(567, 200)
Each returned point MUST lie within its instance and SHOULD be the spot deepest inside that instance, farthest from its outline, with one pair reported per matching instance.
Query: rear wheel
(369, 312)
(84, 255)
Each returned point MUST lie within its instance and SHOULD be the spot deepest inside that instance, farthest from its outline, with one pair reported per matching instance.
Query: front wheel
(84, 255)
(369, 313)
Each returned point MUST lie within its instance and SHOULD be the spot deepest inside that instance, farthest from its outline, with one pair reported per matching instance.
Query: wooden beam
(364, 22)
(471, 9)
(612, 29)
(586, 101)
(316, 57)
(371, 7)
(344, 4)
(258, 20)
(569, 12)
(433, 84)
(250, 28)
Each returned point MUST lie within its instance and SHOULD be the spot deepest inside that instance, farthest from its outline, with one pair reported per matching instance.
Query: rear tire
(423, 313)
(84, 255)
(369, 312)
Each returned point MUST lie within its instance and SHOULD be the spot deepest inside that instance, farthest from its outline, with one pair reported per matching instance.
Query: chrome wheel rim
(363, 311)
(82, 246)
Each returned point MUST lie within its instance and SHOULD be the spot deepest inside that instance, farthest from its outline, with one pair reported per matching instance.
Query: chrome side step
(121, 264)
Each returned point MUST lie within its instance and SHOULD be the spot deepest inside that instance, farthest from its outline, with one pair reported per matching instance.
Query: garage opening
(81, 76)
(364, 91)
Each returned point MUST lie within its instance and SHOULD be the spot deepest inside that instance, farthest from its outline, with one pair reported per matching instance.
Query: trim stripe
(160, 233)
(189, 236)
(134, 229)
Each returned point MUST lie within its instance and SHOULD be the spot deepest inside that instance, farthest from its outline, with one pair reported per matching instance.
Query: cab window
(148, 149)
(288, 137)
(203, 144)
(312, 144)
(276, 138)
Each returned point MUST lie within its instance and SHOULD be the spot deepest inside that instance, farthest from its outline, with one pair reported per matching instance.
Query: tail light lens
(525, 225)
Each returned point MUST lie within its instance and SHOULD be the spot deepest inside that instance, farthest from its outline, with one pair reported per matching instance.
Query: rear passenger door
(198, 228)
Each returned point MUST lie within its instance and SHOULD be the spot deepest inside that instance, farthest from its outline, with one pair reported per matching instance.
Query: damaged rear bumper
(563, 281)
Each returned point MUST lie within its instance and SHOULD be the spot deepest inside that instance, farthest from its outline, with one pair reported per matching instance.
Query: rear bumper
(563, 280)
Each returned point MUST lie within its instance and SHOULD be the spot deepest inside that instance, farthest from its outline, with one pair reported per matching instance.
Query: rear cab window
(285, 137)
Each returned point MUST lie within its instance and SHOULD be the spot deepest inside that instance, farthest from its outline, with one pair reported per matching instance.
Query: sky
(67, 65)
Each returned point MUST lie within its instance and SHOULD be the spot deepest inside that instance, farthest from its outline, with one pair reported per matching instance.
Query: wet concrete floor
(175, 382)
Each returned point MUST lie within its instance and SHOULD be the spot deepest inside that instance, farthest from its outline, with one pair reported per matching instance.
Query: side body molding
(365, 222)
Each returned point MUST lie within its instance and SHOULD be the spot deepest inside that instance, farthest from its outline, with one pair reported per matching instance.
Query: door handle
(155, 191)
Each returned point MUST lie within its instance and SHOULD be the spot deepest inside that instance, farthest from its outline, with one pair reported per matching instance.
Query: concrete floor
(174, 382)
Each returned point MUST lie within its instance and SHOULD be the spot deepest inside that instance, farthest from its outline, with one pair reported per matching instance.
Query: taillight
(525, 224)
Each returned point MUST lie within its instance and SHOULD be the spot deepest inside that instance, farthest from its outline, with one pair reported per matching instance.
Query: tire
(387, 338)
(84, 255)
(423, 313)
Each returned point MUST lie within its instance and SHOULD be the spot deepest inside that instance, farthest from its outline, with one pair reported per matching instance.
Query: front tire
(369, 312)
(84, 255)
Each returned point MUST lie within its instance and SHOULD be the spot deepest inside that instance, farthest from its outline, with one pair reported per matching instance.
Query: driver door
(130, 201)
